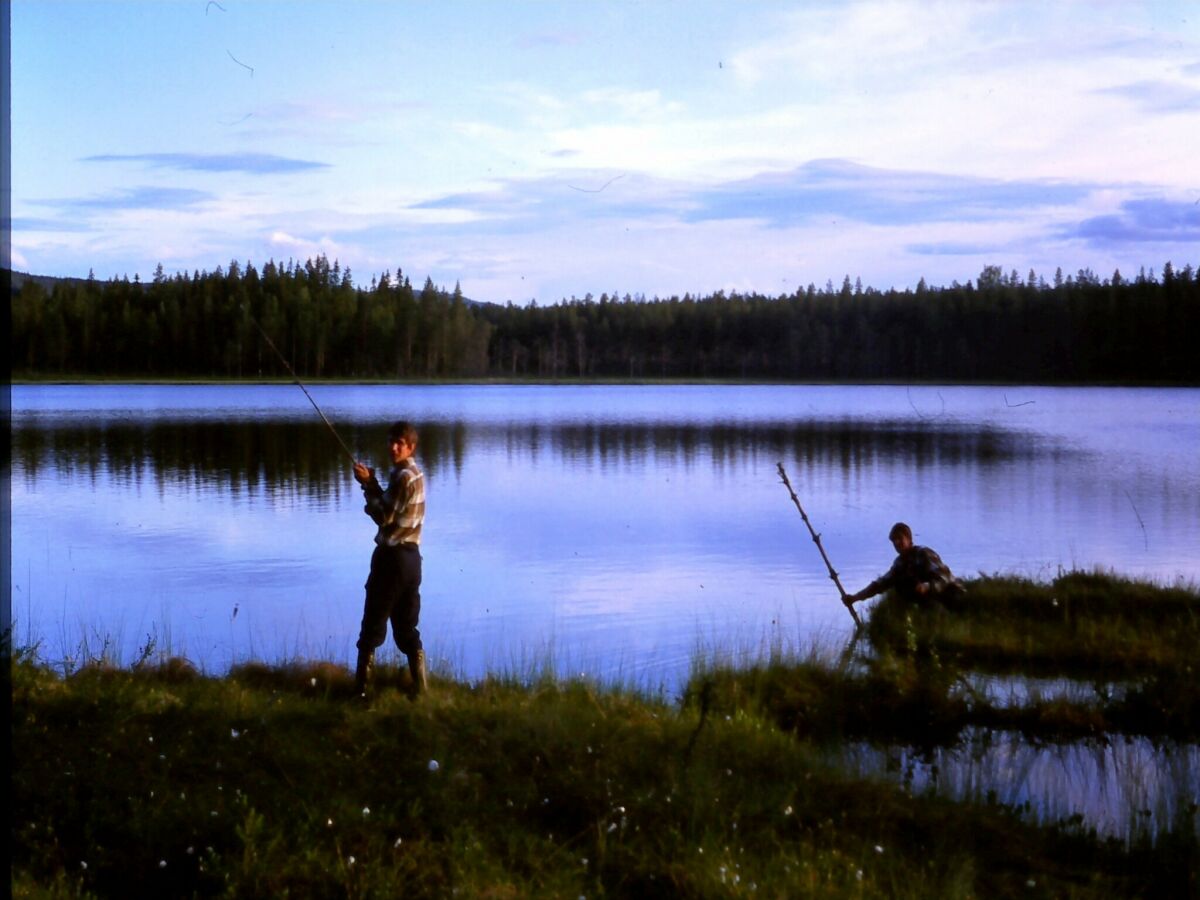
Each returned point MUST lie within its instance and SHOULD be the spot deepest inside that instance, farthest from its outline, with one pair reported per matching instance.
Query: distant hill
(46, 282)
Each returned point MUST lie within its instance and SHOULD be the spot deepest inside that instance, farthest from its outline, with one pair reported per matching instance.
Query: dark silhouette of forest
(1077, 328)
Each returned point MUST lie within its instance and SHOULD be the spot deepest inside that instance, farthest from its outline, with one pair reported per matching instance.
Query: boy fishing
(394, 583)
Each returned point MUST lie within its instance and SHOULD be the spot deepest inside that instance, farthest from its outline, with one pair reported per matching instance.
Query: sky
(549, 150)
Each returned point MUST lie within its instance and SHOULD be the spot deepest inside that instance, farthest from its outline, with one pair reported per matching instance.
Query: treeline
(203, 324)
(1078, 328)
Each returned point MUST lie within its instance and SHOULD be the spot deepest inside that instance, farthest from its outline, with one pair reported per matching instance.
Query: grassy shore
(1129, 649)
(276, 780)
(1081, 625)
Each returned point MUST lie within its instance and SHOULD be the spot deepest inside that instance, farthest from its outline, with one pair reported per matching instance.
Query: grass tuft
(1081, 625)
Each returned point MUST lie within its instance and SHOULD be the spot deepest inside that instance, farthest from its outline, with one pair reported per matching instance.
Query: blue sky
(543, 150)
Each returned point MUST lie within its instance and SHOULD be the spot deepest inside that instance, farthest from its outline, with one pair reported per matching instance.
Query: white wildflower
(433, 765)
(350, 860)
(314, 682)
(399, 841)
(787, 811)
(366, 811)
(83, 864)
(191, 850)
(858, 874)
(329, 823)
(162, 863)
(234, 733)
(878, 849)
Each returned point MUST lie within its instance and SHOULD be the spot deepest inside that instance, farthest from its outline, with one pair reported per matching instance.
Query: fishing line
(299, 384)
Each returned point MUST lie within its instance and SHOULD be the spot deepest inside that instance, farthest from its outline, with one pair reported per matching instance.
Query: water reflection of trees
(847, 444)
(278, 457)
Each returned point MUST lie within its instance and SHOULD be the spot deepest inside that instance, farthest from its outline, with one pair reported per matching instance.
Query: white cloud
(1007, 90)
(283, 239)
(851, 42)
(632, 104)
(989, 89)
(309, 248)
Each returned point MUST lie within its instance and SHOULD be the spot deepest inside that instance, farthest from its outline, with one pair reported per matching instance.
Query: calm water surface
(609, 530)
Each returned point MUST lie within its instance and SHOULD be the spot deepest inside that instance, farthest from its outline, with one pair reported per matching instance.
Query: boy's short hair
(403, 430)
(900, 529)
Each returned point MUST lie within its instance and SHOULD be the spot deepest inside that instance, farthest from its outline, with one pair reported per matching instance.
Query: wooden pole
(817, 540)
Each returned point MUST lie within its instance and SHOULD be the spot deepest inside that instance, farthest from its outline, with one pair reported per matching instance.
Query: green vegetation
(1081, 625)
(275, 780)
(1128, 647)
(1078, 329)
(931, 704)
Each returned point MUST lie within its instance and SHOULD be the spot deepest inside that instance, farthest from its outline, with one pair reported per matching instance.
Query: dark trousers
(393, 594)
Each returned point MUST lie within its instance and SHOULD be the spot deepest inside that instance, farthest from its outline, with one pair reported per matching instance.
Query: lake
(617, 531)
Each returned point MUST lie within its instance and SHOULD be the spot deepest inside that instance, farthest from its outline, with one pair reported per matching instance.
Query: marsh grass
(911, 681)
(275, 779)
(905, 698)
(271, 781)
(896, 699)
(1080, 625)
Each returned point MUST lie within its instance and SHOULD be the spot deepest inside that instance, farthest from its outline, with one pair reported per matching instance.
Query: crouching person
(917, 575)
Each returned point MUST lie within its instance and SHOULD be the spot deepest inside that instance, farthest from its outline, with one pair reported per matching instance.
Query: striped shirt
(400, 510)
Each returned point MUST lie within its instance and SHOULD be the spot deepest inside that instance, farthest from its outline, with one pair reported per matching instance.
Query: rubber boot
(363, 671)
(416, 667)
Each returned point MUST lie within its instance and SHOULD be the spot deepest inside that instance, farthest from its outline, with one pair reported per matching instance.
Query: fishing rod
(283, 359)
(817, 540)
